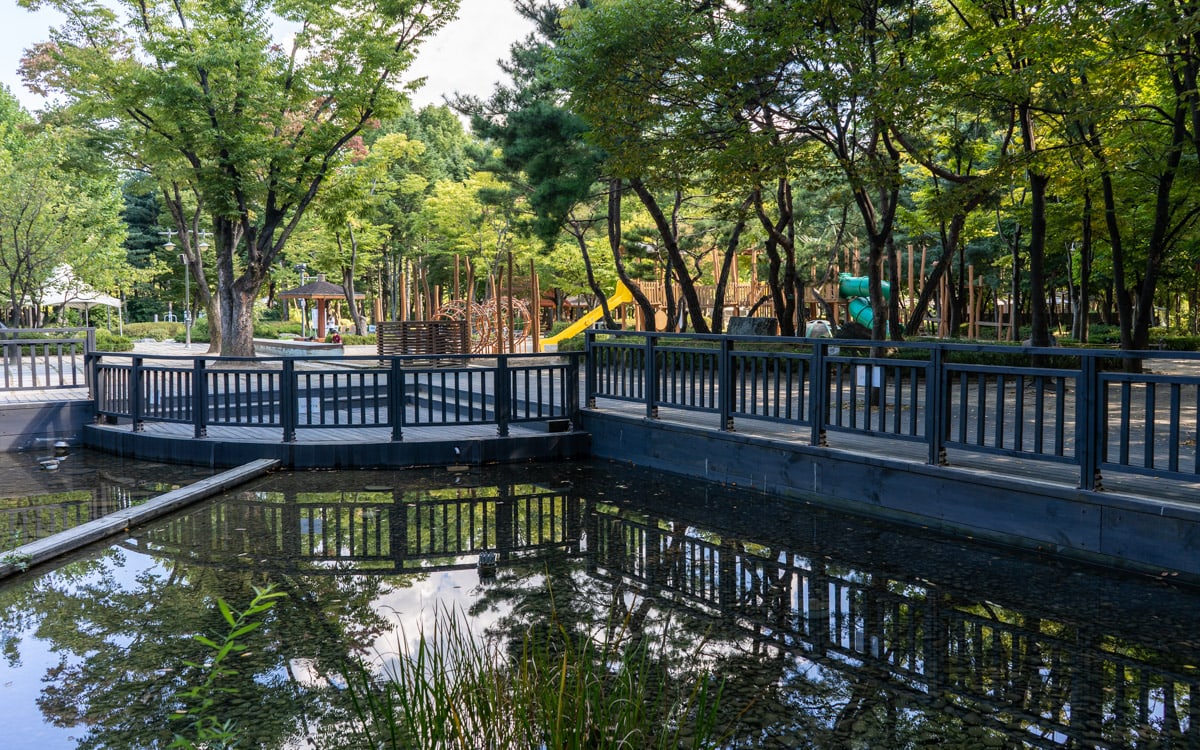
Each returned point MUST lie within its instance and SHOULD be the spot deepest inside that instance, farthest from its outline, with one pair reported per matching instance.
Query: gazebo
(322, 293)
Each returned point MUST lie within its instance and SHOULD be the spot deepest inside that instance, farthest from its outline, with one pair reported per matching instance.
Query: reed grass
(555, 689)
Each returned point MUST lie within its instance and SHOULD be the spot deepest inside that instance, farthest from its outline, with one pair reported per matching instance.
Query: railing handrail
(593, 335)
(288, 393)
(657, 370)
(45, 358)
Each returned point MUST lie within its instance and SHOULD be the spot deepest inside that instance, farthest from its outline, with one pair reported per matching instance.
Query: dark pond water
(837, 631)
(44, 492)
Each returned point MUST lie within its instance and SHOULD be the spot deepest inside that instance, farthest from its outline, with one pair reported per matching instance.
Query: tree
(254, 126)
(49, 217)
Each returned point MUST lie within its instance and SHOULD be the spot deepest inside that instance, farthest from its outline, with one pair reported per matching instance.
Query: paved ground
(149, 348)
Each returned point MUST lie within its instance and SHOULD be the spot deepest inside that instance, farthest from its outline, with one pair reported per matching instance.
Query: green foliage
(160, 331)
(271, 329)
(107, 341)
(204, 728)
(206, 99)
(559, 689)
(53, 218)
(17, 560)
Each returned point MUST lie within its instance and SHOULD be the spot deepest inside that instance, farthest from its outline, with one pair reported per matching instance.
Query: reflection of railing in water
(1029, 672)
(377, 530)
(39, 516)
(1044, 683)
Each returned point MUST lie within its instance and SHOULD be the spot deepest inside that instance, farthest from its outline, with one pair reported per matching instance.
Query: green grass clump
(555, 689)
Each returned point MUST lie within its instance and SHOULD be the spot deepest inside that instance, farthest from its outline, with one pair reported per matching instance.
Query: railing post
(590, 365)
(818, 394)
(572, 388)
(200, 397)
(1089, 431)
(396, 405)
(289, 406)
(935, 407)
(91, 362)
(89, 347)
(135, 395)
(725, 384)
(503, 389)
(650, 377)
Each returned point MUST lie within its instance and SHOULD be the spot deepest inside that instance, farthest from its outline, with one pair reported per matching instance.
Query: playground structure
(620, 297)
(831, 302)
(495, 325)
(855, 290)
(504, 321)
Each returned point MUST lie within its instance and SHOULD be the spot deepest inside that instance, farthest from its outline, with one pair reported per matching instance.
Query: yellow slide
(620, 297)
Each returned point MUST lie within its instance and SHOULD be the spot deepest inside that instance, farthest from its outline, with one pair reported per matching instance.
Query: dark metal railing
(1070, 406)
(291, 394)
(45, 358)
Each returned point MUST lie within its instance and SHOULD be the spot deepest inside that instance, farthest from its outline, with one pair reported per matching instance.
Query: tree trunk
(1160, 233)
(578, 231)
(236, 296)
(1038, 183)
(727, 264)
(679, 267)
(348, 281)
(781, 267)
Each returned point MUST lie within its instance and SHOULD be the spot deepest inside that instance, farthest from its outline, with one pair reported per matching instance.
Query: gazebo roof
(318, 289)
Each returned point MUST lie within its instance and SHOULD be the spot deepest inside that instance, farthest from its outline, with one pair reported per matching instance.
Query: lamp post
(187, 277)
(187, 301)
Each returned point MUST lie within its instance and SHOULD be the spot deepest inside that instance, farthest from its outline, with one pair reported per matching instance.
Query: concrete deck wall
(30, 426)
(1112, 529)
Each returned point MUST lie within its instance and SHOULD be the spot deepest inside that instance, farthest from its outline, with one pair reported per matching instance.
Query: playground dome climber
(818, 329)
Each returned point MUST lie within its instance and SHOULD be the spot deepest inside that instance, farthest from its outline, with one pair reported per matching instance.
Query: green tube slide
(857, 290)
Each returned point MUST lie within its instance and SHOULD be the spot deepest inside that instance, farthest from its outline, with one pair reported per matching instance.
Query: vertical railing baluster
(503, 395)
(571, 388)
(289, 406)
(1151, 408)
(199, 397)
(725, 384)
(395, 399)
(818, 394)
(650, 376)
(1173, 433)
(1090, 431)
(135, 394)
(937, 406)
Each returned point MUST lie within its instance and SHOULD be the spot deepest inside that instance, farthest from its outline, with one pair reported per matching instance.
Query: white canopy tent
(65, 290)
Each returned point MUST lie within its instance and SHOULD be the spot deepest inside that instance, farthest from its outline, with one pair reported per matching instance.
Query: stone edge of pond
(18, 560)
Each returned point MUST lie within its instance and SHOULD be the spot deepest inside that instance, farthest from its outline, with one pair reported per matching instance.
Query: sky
(462, 58)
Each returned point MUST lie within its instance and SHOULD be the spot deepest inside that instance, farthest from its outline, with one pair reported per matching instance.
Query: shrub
(270, 329)
(107, 341)
(160, 331)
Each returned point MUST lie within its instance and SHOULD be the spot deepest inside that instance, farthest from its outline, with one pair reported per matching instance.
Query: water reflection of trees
(836, 634)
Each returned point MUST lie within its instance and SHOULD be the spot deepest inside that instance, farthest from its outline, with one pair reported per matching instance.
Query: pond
(826, 629)
(45, 492)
